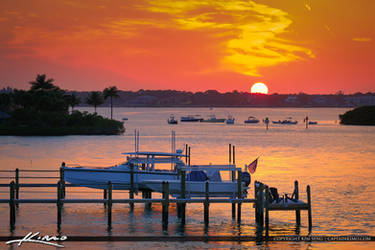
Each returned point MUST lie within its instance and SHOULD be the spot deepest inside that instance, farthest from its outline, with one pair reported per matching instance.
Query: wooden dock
(260, 201)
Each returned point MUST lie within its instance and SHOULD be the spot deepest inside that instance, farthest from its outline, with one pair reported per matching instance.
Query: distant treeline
(213, 98)
(174, 98)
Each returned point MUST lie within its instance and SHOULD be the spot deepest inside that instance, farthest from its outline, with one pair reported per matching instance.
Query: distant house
(143, 100)
(320, 100)
(360, 100)
(292, 99)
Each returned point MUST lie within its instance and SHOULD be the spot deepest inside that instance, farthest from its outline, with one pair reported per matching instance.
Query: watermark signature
(36, 238)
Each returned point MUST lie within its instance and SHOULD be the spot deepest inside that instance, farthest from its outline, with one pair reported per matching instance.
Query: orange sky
(311, 46)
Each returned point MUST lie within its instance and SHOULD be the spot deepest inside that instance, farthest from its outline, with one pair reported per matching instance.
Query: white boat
(230, 119)
(213, 119)
(251, 119)
(195, 184)
(140, 164)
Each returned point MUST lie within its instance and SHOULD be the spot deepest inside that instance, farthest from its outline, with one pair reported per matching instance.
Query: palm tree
(95, 99)
(111, 92)
(41, 83)
(73, 100)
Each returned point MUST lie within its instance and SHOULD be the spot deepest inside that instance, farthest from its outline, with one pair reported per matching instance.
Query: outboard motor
(246, 178)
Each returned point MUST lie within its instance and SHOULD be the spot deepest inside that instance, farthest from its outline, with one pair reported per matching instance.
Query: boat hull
(196, 188)
(120, 179)
(250, 121)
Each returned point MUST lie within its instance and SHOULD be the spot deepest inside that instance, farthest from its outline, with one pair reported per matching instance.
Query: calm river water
(338, 162)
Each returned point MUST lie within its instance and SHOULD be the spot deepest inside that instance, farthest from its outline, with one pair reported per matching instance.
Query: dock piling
(239, 195)
(131, 191)
(298, 212)
(109, 205)
(17, 187)
(165, 205)
(59, 204)
(183, 193)
(12, 213)
(309, 207)
(266, 219)
(206, 204)
(62, 179)
(105, 196)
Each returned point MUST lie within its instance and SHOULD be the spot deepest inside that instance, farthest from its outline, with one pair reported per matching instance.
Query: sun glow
(259, 88)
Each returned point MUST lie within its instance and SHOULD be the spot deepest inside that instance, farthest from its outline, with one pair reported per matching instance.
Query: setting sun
(259, 88)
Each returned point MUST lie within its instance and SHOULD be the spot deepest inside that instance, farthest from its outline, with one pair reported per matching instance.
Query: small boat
(125, 119)
(287, 121)
(191, 118)
(195, 184)
(213, 119)
(172, 120)
(251, 119)
(230, 119)
(313, 123)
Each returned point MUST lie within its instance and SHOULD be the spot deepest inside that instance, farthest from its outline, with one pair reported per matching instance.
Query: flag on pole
(253, 166)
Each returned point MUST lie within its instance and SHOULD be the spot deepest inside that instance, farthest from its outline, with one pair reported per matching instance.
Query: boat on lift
(195, 184)
(142, 165)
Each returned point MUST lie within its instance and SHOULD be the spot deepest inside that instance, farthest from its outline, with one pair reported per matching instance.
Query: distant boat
(251, 119)
(287, 121)
(230, 119)
(313, 123)
(213, 119)
(191, 118)
(172, 120)
(125, 119)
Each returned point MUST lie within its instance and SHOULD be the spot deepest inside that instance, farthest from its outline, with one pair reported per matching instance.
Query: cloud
(361, 39)
(246, 35)
(255, 30)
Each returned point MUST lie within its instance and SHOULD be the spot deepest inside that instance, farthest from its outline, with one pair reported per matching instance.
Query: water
(338, 162)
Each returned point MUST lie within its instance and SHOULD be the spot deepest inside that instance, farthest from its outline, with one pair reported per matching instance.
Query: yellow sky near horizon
(313, 46)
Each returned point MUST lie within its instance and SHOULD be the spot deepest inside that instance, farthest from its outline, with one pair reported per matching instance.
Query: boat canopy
(178, 154)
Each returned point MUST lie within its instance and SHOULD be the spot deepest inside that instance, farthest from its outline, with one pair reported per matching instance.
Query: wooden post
(17, 186)
(259, 206)
(105, 196)
(12, 207)
(183, 193)
(267, 212)
(147, 195)
(62, 179)
(239, 195)
(189, 158)
(59, 203)
(309, 207)
(186, 153)
(131, 192)
(298, 212)
(109, 205)
(165, 205)
(233, 179)
(206, 204)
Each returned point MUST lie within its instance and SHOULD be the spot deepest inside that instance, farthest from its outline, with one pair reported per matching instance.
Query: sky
(293, 46)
